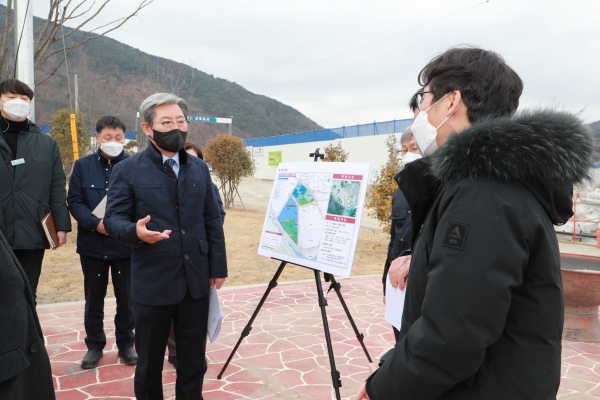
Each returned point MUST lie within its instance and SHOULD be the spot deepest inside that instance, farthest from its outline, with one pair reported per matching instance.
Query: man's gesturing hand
(149, 236)
(399, 271)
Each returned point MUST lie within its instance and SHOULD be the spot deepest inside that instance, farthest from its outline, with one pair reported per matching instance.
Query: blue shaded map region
(302, 195)
(288, 218)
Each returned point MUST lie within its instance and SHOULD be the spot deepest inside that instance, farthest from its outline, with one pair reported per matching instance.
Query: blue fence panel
(375, 128)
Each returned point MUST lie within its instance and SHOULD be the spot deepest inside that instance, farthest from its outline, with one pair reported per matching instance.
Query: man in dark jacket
(99, 253)
(401, 221)
(32, 181)
(162, 203)
(195, 151)
(24, 365)
(483, 313)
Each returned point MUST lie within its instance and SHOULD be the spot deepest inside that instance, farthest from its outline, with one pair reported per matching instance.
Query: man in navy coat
(99, 253)
(161, 202)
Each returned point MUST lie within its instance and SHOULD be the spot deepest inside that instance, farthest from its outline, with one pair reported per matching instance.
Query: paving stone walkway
(285, 356)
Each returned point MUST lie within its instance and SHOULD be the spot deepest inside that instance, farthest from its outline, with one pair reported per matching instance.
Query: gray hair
(406, 134)
(158, 99)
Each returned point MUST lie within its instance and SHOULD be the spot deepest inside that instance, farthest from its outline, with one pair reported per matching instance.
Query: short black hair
(109, 122)
(15, 86)
(489, 87)
(413, 103)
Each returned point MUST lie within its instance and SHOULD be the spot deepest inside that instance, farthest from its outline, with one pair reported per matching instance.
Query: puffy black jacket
(28, 191)
(483, 313)
(24, 364)
(87, 187)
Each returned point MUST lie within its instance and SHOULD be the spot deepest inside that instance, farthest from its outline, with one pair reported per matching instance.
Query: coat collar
(113, 160)
(156, 156)
(542, 145)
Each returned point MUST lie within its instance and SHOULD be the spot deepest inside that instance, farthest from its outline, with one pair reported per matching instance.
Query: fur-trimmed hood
(547, 151)
(532, 146)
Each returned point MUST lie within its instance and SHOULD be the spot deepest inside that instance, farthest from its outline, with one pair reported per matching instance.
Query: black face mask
(172, 141)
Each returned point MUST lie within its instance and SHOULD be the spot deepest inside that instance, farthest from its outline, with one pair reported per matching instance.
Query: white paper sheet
(100, 209)
(215, 315)
(394, 304)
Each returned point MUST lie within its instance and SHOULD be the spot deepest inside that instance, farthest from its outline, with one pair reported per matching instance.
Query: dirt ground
(62, 279)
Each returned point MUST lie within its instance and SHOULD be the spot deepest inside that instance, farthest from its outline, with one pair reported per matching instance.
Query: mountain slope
(115, 78)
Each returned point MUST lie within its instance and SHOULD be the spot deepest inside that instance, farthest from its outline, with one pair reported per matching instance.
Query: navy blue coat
(87, 187)
(161, 273)
(400, 230)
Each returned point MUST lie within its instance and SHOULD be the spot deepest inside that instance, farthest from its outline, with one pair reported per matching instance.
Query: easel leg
(248, 327)
(336, 286)
(335, 375)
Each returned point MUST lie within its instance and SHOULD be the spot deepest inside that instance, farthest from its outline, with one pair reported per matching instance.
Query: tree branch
(7, 27)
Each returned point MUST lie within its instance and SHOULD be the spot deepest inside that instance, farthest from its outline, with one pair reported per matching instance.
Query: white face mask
(17, 109)
(410, 157)
(425, 133)
(111, 149)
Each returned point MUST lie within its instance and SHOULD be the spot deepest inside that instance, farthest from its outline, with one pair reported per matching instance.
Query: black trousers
(152, 326)
(95, 281)
(31, 261)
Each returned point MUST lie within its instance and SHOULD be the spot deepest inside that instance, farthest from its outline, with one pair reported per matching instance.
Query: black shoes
(129, 356)
(173, 360)
(91, 358)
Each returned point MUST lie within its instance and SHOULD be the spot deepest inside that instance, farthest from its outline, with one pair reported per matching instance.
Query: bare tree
(63, 12)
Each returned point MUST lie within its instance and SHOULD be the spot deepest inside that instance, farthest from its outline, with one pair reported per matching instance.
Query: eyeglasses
(420, 94)
(170, 125)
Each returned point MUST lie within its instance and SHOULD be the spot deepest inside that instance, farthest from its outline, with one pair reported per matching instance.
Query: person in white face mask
(32, 181)
(401, 218)
(100, 254)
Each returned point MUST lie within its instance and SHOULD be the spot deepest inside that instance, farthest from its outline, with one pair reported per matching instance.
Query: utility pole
(23, 32)
(76, 95)
(231, 126)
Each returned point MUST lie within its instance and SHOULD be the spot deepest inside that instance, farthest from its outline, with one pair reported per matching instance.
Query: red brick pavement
(284, 357)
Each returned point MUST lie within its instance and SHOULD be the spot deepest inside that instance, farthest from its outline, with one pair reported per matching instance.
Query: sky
(356, 61)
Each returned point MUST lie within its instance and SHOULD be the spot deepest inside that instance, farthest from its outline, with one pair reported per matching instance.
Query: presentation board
(314, 214)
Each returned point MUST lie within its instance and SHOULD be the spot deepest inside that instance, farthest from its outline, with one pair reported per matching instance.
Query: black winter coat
(87, 187)
(400, 230)
(483, 313)
(25, 372)
(162, 273)
(28, 191)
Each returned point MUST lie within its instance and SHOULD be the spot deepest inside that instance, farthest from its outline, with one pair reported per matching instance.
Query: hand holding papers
(215, 315)
(100, 209)
(394, 304)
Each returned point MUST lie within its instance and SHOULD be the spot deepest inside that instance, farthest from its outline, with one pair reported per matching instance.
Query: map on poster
(314, 213)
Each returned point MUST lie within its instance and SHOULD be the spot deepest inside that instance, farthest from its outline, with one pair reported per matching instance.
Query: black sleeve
(217, 257)
(467, 298)
(58, 192)
(120, 206)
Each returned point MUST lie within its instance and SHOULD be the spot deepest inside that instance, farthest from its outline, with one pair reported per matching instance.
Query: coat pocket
(93, 184)
(12, 362)
(204, 247)
(399, 213)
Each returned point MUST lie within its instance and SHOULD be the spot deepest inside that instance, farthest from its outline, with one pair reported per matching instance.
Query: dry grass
(62, 279)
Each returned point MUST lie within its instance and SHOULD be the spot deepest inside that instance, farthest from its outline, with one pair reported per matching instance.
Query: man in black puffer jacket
(24, 364)
(484, 311)
(32, 181)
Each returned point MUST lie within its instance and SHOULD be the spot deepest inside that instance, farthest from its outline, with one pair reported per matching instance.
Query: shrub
(230, 162)
(335, 153)
(383, 187)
